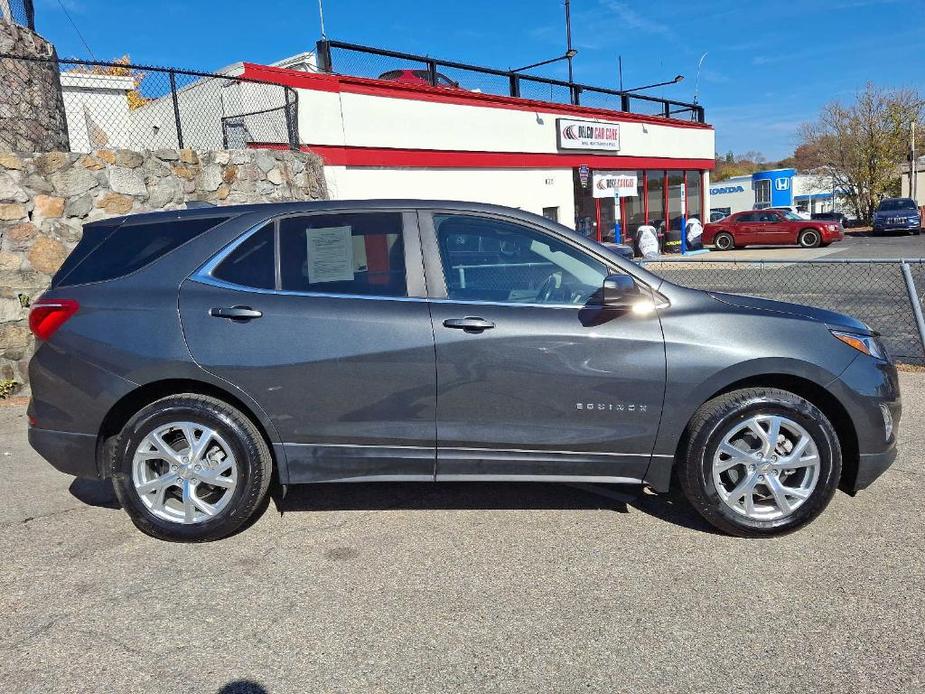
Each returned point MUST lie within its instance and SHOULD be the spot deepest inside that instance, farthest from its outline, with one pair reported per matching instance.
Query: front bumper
(904, 225)
(865, 389)
(72, 454)
(871, 466)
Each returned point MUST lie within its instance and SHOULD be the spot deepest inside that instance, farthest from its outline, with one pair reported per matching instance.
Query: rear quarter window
(132, 247)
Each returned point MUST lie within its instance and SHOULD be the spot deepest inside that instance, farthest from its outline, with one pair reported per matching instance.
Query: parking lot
(856, 244)
(472, 587)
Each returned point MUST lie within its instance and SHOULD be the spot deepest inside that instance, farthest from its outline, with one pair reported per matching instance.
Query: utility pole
(568, 39)
(913, 173)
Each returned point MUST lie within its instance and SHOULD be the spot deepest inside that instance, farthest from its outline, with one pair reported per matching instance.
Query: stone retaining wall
(45, 200)
(31, 104)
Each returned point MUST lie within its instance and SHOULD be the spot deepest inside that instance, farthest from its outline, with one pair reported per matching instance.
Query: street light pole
(678, 78)
(568, 40)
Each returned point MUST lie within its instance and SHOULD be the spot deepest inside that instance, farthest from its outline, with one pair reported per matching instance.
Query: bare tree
(860, 145)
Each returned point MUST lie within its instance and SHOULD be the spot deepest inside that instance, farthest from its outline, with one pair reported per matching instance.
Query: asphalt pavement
(460, 587)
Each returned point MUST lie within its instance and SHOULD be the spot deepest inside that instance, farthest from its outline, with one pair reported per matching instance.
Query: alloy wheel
(184, 472)
(766, 467)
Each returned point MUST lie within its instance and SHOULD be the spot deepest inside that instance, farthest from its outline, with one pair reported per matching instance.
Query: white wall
(96, 109)
(720, 195)
(360, 120)
(528, 189)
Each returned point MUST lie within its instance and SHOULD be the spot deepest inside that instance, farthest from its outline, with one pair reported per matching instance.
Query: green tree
(859, 146)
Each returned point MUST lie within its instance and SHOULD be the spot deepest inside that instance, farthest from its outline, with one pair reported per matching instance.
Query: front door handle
(236, 313)
(471, 324)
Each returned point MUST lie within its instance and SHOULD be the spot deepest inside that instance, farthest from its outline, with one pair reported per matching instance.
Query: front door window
(492, 260)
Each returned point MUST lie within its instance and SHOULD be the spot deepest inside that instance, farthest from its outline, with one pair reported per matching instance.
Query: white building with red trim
(387, 139)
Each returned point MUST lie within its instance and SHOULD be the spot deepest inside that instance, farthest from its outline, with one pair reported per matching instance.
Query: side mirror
(620, 291)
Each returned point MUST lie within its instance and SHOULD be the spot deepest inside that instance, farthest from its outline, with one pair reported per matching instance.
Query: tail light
(47, 315)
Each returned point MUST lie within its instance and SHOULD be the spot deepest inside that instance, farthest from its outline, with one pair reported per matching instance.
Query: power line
(82, 39)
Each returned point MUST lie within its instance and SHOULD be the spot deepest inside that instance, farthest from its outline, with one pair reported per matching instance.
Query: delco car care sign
(587, 134)
(610, 183)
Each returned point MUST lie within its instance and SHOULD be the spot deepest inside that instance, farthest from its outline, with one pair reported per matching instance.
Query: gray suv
(192, 357)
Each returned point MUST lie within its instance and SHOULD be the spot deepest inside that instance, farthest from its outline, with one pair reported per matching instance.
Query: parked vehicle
(839, 217)
(897, 214)
(621, 249)
(193, 356)
(420, 77)
(770, 228)
(789, 208)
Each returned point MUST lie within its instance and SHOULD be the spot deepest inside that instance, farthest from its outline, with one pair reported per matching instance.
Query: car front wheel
(190, 468)
(760, 462)
(809, 238)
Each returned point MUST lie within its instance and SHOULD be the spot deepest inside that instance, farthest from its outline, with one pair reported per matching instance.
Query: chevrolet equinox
(192, 356)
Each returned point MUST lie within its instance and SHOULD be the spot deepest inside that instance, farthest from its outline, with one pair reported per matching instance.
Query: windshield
(897, 204)
(792, 216)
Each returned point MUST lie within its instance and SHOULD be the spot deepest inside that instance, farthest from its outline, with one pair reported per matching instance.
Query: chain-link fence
(365, 61)
(19, 12)
(888, 295)
(121, 105)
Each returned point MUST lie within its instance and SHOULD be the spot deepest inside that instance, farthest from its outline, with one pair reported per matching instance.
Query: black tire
(724, 241)
(809, 238)
(253, 463)
(916, 232)
(705, 433)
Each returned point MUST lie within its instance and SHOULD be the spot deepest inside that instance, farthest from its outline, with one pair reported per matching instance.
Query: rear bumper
(73, 454)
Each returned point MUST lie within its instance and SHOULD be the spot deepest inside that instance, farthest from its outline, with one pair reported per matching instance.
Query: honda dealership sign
(587, 134)
(607, 183)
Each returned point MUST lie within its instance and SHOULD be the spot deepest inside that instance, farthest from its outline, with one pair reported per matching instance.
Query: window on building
(551, 213)
(360, 253)
(634, 209)
(493, 260)
(694, 188)
(675, 208)
(763, 192)
(252, 263)
(656, 198)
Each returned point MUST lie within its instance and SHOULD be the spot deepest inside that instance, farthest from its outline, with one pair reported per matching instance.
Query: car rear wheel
(190, 468)
(809, 238)
(760, 462)
(724, 241)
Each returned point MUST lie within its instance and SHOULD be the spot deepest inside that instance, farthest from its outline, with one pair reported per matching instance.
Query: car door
(321, 318)
(533, 379)
(746, 228)
(773, 229)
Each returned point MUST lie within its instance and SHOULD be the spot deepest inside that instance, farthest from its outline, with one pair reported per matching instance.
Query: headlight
(831, 227)
(868, 344)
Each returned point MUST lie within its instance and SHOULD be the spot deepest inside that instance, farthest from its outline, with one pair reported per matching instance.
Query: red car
(420, 77)
(770, 228)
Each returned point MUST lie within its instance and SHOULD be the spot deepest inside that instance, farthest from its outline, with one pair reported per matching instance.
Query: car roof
(271, 209)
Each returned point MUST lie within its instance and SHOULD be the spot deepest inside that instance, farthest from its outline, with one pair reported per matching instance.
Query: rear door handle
(236, 313)
(471, 324)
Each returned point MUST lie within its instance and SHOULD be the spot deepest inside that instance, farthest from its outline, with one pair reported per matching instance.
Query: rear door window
(133, 246)
(252, 263)
(345, 253)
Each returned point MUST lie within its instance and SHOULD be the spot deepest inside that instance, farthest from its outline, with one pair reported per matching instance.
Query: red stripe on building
(459, 159)
(400, 90)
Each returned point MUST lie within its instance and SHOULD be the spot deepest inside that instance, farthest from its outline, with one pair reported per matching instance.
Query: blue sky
(770, 65)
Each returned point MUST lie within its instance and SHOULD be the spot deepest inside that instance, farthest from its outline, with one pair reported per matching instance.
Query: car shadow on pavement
(469, 496)
(97, 493)
(452, 496)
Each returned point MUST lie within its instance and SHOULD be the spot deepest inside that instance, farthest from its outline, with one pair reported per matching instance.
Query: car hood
(830, 318)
